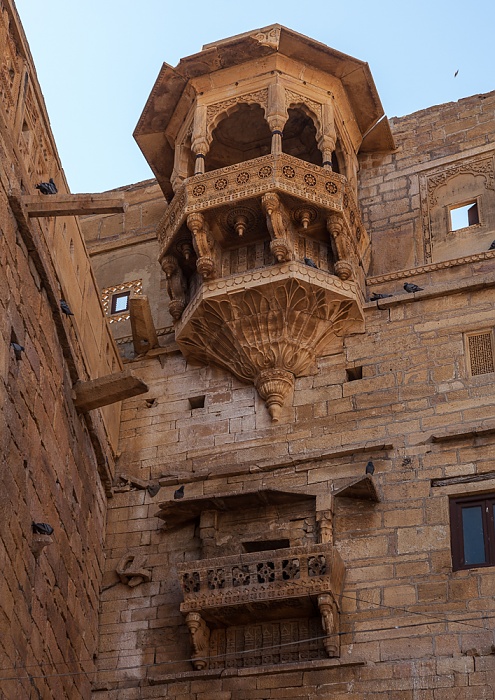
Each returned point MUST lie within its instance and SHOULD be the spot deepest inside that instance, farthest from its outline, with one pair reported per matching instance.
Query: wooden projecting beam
(72, 204)
(106, 390)
(143, 329)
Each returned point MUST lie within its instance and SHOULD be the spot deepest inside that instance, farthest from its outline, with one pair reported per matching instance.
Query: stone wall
(402, 395)
(53, 461)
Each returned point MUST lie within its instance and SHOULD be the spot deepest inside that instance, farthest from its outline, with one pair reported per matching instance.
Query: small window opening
(354, 373)
(265, 545)
(120, 302)
(196, 402)
(472, 531)
(464, 216)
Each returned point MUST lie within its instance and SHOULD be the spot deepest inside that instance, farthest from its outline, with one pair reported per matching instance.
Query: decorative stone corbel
(176, 286)
(274, 385)
(39, 542)
(342, 247)
(131, 571)
(330, 621)
(279, 226)
(200, 637)
(204, 245)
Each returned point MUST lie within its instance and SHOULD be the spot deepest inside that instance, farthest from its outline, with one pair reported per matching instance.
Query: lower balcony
(280, 604)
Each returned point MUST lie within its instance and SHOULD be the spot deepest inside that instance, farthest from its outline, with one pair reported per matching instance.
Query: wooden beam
(144, 336)
(72, 204)
(107, 390)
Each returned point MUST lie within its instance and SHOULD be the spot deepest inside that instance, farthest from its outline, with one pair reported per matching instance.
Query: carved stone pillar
(199, 142)
(176, 286)
(325, 526)
(204, 245)
(200, 638)
(328, 138)
(330, 622)
(276, 115)
(279, 226)
(342, 247)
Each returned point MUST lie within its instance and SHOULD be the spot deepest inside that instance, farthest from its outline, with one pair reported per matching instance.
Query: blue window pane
(474, 539)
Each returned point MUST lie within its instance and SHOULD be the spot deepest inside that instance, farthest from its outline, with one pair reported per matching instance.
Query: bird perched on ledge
(179, 493)
(47, 187)
(42, 528)
(370, 468)
(492, 246)
(310, 263)
(18, 350)
(411, 288)
(65, 308)
(376, 296)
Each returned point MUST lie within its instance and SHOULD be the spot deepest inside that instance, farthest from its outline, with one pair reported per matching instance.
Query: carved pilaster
(176, 286)
(328, 138)
(330, 622)
(325, 526)
(200, 638)
(279, 226)
(342, 247)
(204, 245)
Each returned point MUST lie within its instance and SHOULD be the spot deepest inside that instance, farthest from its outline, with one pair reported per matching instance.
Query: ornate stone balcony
(265, 263)
(262, 586)
(305, 182)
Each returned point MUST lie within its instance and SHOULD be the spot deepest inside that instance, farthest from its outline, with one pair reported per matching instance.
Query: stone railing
(261, 576)
(252, 178)
(264, 587)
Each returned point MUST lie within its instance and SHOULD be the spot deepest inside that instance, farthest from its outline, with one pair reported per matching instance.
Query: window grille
(480, 347)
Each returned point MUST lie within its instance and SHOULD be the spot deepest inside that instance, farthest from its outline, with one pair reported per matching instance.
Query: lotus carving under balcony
(268, 326)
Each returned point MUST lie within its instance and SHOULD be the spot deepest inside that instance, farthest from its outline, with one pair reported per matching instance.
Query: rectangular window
(464, 215)
(120, 302)
(480, 350)
(472, 531)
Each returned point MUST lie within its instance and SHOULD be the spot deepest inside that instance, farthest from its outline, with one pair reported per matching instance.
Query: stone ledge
(315, 665)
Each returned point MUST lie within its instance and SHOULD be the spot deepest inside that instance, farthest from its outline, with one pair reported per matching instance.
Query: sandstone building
(269, 468)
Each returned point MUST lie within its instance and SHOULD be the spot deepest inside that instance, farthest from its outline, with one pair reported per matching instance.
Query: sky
(97, 60)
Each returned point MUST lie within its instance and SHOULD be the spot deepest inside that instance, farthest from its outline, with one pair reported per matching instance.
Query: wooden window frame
(115, 297)
(487, 503)
(475, 201)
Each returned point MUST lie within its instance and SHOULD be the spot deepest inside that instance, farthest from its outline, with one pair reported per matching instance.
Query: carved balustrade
(235, 183)
(263, 586)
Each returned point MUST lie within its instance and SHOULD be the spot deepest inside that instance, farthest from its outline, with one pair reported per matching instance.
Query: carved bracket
(343, 247)
(279, 226)
(204, 245)
(200, 638)
(330, 622)
(176, 286)
(131, 571)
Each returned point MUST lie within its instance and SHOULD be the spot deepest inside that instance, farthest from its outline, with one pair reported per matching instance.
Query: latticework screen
(481, 353)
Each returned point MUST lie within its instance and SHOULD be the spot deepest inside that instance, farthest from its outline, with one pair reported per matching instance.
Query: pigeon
(310, 263)
(456, 73)
(18, 349)
(492, 247)
(370, 468)
(179, 493)
(47, 187)
(411, 288)
(153, 489)
(42, 529)
(65, 308)
(376, 296)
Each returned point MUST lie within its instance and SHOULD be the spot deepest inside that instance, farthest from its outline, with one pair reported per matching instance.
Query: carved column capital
(342, 246)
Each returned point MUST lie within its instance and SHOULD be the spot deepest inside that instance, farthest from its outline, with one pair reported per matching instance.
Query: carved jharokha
(261, 158)
(263, 588)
